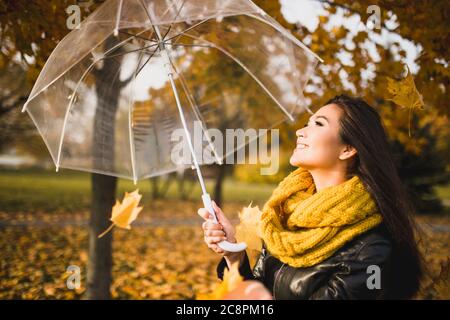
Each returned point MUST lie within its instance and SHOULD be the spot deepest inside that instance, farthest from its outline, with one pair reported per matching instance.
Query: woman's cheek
(326, 152)
(318, 155)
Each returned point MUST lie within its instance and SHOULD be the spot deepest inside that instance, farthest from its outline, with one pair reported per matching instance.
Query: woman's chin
(294, 161)
(297, 160)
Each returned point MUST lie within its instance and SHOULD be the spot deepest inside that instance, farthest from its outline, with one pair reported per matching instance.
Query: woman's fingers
(210, 225)
(214, 233)
(215, 248)
(202, 212)
(215, 239)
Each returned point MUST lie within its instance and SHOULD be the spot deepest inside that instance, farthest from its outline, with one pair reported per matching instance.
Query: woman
(339, 226)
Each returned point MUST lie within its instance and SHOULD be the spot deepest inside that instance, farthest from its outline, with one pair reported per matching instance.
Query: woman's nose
(300, 133)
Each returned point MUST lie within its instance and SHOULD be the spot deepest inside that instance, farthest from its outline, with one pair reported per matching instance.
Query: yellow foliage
(150, 262)
(231, 279)
(249, 231)
(123, 214)
(404, 93)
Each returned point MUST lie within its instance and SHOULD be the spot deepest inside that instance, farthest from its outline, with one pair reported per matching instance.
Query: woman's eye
(305, 125)
(319, 124)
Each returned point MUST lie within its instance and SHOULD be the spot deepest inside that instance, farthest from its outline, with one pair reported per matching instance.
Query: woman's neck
(327, 178)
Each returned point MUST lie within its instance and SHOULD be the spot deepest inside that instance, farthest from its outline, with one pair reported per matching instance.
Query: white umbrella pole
(225, 245)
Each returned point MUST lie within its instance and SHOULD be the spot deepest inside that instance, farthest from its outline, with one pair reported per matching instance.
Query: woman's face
(318, 142)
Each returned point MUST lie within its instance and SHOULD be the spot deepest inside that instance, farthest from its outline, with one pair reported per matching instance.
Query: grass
(68, 190)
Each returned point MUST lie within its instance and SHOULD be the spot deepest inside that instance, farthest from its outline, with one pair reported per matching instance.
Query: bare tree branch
(125, 82)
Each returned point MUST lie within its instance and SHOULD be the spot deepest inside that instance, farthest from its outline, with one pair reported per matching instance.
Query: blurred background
(45, 216)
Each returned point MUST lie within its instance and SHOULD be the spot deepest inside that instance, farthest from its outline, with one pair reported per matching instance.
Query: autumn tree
(359, 57)
(29, 32)
(357, 61)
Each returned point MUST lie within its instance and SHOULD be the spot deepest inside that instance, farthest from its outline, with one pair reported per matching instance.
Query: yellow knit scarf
(302, 227)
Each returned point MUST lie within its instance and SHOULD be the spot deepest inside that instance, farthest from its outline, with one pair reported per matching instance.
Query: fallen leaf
(249, 290)
(405, 94)
(231, 279)
(249, 231)
(123, 214)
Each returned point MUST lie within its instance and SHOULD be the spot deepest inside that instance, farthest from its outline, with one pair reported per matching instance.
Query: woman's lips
(301, 146)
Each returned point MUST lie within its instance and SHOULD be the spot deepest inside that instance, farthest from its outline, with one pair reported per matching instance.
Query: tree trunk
(219, 184)
(103, 187)
(154, 183)
(100, 250)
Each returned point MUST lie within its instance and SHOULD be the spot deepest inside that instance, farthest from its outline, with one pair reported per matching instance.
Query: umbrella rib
(60, 75)
(176, 16)
(66, 116)
(137, 36)
(119, 12)
(142, 67)
(180, 109)
(148, 15)
(178, 44)
(194, 107)
(243, 66)
(131, 51)
(186, 30)
(130, 128)
(279, 28)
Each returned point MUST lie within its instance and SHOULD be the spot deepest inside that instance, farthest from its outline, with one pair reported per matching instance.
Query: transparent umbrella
(126, 93)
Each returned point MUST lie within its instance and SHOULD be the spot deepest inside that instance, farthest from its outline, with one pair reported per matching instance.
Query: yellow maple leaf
(231, 279)
(405, 94)
(249, 231)
(123, 214)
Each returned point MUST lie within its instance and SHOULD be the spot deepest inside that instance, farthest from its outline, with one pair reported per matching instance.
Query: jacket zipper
(276, 280)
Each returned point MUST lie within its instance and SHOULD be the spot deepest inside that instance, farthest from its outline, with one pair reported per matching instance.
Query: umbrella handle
(225, 245)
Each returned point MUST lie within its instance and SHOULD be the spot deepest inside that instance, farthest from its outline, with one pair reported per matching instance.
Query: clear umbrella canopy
(103, 102)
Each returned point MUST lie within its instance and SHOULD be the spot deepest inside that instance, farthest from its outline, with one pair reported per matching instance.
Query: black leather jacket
(345, 275)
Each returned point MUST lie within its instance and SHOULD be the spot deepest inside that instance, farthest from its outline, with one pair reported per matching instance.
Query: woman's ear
(347, 152)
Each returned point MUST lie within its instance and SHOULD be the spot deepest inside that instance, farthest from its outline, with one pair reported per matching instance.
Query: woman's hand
(217, 232)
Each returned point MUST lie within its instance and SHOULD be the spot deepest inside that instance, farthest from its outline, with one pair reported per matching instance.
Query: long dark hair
(361, 127)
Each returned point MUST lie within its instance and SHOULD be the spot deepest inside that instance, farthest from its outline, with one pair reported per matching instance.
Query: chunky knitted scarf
(302, 227)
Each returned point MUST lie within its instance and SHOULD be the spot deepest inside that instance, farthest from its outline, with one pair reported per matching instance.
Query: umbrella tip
(309, 110)
(291, 117)
(24, 107)
(116, 32)
(57, 168)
